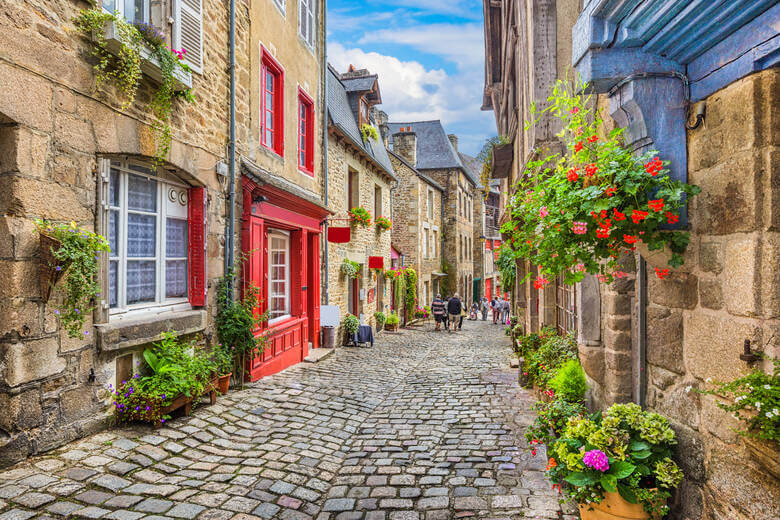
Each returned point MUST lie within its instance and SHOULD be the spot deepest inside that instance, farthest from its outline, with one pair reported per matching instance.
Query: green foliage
(350, 269)
(125, 67)
(223, 359)
(485, 157)
(360, 216)
(638, 446)
(507, 266)
(543, 363)
(238, 319)
(576, 212)
(551, 417)
(447, 282)
(755, 401)
(368, 131)
(380, 318)
(383, 224)
(351, 324)
(411, 290)
(77, 255)
(393, 319)
(569, 382)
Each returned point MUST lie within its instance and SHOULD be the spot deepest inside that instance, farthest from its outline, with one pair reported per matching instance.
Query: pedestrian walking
(494, 305)
(454, 309)
(484, 306)
(505, 307)
(439, 310)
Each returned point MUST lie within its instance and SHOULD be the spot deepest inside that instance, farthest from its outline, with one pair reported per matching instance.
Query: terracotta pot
(392, 328)
(223, 385)
(48, 263)
(613, 507)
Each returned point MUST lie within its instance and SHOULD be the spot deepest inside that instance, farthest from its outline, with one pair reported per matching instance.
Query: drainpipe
(324, 66)
(642, 325)
(230, 232)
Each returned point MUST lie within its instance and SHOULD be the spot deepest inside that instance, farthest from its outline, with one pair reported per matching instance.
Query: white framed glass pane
(141, 193)
(175, 238)
(141, 235)
(113, 232)
(175, 278)
(109, 5)
(113, 283)
(141, 281)
(113, 188)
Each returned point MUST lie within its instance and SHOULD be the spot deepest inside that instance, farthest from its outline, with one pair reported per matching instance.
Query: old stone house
(359, 174)
(426, 146)
(417, 206)
(642, 338)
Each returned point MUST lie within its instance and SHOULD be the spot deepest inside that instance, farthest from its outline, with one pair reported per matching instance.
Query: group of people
(450, 312)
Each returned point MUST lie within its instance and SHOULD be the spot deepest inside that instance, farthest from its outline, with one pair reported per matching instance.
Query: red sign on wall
(339, 235)
(376, 262)
(371, 295)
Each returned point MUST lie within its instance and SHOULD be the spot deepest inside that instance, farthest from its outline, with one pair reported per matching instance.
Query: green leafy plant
(351, 324)
(238, 321)
(422, 312)
(551, 417)
(543, 363)
(125, 67)
(350, 269)
(223, 359)
(507, 266)
(380, 318)
(576, 212)
(755, 402)
(625, 450)
(393, 319)
(384, 224)
(485, 157)
(360, 216)
(569, 382)
(411, 290)
(77, 256)
(368, 131)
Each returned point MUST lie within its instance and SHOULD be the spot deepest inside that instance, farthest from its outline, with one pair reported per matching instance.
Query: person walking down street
(505, 307)
(495, 306)
(439, 310)
(454, 309)
(484, 305)
(462, 315)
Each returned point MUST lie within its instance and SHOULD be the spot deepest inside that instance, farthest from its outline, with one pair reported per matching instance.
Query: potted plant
(380, 318)
(70, 251)
(392, 322)
(223, 360)
(618, 464)
(368, 131)
(351, 326)
(383, 224)
(350, 269)
(360, 216)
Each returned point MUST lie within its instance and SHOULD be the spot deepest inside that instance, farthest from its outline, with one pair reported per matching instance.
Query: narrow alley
(424, 425)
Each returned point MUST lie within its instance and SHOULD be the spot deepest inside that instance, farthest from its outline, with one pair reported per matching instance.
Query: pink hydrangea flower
(597, 460)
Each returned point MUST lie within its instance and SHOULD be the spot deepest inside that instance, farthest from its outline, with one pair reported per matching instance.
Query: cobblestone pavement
(423, 426)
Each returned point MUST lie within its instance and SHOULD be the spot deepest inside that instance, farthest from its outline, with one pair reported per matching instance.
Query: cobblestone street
(422, 426)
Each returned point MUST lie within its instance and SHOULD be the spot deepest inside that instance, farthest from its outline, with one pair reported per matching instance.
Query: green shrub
(393, 319)
(542, 364)
(551, 418)
(351, 324)
(569, 382)
(380, 319)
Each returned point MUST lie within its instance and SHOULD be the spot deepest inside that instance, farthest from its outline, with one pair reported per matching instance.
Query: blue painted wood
(603, 69)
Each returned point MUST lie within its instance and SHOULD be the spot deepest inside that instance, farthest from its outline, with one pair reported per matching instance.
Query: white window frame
(285, 236)
(311, 10)
(119, 7)
(161, 302)
(281, 5)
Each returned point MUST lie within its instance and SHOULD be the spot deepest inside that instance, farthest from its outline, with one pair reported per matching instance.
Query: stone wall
(54, 125)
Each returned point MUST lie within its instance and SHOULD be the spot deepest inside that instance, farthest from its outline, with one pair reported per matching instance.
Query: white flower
(688, 389)
(758, 405)
(776, 411)
(769, 414)
(708, 380)
(740, 398)
(767, 387)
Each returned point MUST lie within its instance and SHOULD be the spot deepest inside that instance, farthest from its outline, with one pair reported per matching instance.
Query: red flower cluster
(610, 191)
(541, 282)
(638, 216)
(630, 239)
(662, 273)
(572, 176)
(656, 205)
(578, 147)
(654, 166)
(574, 110)
(618, 215)
(672, 218)
(593, 138)
(591, 169)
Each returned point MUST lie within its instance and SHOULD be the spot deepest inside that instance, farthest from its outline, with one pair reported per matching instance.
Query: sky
(429, 55)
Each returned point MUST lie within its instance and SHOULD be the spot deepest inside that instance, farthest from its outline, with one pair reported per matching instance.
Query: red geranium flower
(574, 110)
(593, 138)
(656, 205)
(591, 169)
(654, 166)
(610, 191)
(602, 233)
(638, 216)
(578, 147)
(572, 175)
(672, 218)
(618, 215)
(662, 273)
(629, 239)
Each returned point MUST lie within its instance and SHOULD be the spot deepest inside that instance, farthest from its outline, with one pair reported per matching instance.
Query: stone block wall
(54, 125)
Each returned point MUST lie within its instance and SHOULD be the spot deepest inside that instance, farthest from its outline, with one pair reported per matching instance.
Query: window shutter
(102, 228)
(310, 17)
(189, 32)
(196, 245)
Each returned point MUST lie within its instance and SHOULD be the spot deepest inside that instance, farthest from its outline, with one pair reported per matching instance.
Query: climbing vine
(411, 290)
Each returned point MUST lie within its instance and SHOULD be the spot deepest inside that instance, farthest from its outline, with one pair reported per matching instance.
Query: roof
(342, 117)
(262, 176)
(360, 84)
(418, 172)
(434, 149)
(473, 168)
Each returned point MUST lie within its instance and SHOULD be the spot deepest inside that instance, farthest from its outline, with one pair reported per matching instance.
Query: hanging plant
(576, 213)
(124, 66)
(72, 252)
(485, 157)
(506, 266)
(394, 273)
(350, 269)
(360, 216)
(411, 290)
(384, 224)
(368, 131)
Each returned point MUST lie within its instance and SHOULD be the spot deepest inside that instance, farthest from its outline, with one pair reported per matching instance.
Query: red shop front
(280, 235)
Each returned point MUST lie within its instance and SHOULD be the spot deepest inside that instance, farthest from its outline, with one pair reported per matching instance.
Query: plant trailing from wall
(411, 290)
(237, 320)
(72, 252)
(368, 131)
(351, 324)
(507, 266)
(394, 273)
(350, 269)
(360, 216)
(383, 224)
(124, 68)
(755, 401)
(446, 283)
(576, 213)
(485, 157)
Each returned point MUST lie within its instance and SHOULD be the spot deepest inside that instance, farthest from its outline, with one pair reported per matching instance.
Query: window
(425, 243)
(281, 5)
(353, 195)
(434, 242)
(377, 201)
(272, 103)
(134, 11)
(305, 132)
(363, 112)
(188, 31)
(278, 275)
(430, 203)
(565, 306)
(306, 20)
(147, 230)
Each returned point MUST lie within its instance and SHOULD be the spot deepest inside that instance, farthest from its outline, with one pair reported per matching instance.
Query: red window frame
(305, 132)
(276, 109)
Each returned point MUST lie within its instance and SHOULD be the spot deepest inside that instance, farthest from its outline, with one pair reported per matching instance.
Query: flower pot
(156, 412)
(392, 328)
(223, 385)
(613, 507)
(49, 275)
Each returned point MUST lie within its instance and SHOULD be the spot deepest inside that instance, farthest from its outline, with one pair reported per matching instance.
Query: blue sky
(429, 55)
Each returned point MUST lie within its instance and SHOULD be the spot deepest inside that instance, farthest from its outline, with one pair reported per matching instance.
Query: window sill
(307, 173)
(270, 152)
(150, 65)
(133, 331)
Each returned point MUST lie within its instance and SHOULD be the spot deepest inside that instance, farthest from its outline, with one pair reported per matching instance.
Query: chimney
(454, 140)
(381, 120)
(405, 145)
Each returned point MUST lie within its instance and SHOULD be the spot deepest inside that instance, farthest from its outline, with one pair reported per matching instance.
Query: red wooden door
(489, 288)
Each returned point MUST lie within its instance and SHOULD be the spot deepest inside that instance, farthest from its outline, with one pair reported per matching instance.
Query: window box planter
(613, 507)
(150, 65)
(156, 412)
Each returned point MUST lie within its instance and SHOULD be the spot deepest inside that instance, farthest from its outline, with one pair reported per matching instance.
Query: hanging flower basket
(360, 216)
(51, 269)
(383, 224)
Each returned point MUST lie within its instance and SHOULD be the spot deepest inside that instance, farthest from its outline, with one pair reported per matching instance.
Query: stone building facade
(650, 340)
(487, 240)
(359, 174)
(427, 147)
(63, 143)
(417, 226)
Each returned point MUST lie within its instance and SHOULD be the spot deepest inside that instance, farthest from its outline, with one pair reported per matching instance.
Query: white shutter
(306, 20)
(188, 32)
(102, 228)
(310, 17)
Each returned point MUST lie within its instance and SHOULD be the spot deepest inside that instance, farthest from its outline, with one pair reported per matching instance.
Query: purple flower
(137, 408)
(58, 268)
(597, 460)
(77, 311)
(86, 333)
(163, 396)
(57, 312)
(162, 420)
(147, 408)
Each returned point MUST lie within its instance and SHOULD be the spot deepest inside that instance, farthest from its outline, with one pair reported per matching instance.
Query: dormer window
(363, 112)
